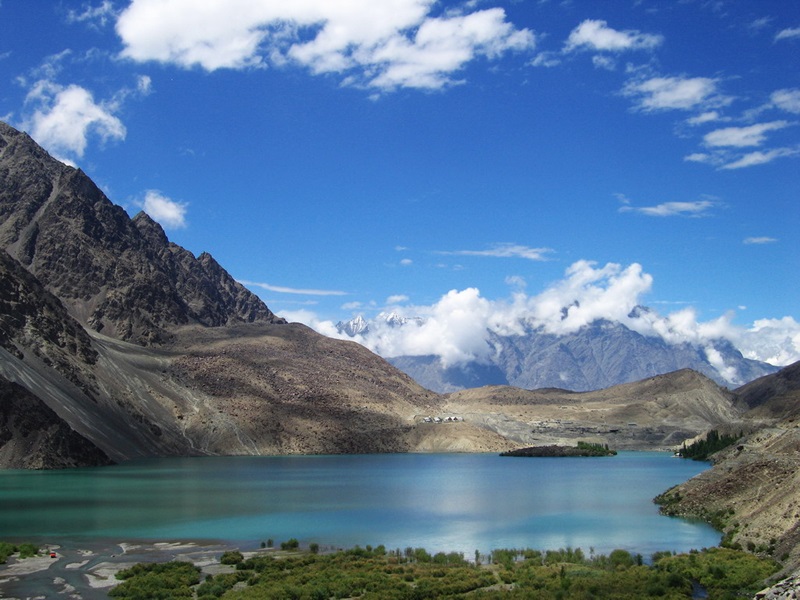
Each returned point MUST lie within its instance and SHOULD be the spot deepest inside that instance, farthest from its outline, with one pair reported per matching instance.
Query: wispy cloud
(95, 16)
(710, 116)
(759, 24)
(724, 144)
(675, 93)
(381, 45)
(760, 158)
(697, 208)
(289, 290)
(506, 251)
(596, 35)
(787, 99)
(760, 240)
(788, 34)
(741, 137)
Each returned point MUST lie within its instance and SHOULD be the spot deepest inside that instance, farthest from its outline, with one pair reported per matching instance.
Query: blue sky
(485, 162)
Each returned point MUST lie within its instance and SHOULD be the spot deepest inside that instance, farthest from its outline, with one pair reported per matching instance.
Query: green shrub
(291, 544)
(6, 550)
(28, 550)
(231, 557)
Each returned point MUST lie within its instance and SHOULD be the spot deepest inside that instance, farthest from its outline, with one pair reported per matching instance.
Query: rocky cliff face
(119, 276)
(603, 354)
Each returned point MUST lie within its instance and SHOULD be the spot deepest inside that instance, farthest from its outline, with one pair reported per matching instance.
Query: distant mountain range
(596, 356)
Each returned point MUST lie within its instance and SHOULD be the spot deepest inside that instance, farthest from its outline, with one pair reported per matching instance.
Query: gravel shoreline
(85, 570)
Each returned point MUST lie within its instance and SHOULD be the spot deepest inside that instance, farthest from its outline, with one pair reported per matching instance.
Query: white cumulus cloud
(65, 117)
(776, 341)
(167, 212)
(383, 45)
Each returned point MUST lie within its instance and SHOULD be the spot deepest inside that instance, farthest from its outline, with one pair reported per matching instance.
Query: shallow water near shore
(441, 502)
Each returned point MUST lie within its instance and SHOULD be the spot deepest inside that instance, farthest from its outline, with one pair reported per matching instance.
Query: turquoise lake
(441, 502)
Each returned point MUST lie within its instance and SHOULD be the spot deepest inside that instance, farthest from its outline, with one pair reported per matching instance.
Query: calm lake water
(441, 502)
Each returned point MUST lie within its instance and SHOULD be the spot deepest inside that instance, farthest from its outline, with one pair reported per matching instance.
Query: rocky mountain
(117, 275)
(116, 343)
(597, 356)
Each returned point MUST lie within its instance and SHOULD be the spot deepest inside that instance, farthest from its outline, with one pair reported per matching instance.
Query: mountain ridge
(598, 355)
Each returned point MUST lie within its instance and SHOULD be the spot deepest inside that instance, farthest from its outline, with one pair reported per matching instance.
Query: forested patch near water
(713, 442)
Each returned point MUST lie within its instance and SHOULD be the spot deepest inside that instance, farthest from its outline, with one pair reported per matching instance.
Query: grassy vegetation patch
(157, 581)
(414, 574)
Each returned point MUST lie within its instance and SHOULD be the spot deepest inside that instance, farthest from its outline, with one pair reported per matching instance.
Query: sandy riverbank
(86, 570)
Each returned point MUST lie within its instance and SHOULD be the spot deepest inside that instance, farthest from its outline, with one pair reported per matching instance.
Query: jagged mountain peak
(118, 275)
(356, 326)
(150, 229)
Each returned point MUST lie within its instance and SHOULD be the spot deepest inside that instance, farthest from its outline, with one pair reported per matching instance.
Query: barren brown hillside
(656, 413)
